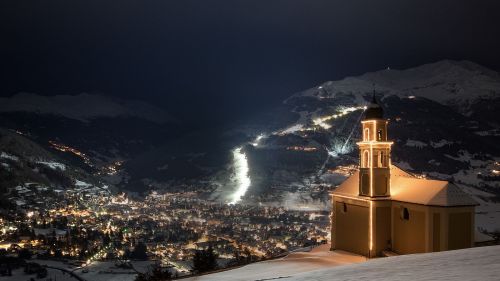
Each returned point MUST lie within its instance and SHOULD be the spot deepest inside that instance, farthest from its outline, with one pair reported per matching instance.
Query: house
(383, 208)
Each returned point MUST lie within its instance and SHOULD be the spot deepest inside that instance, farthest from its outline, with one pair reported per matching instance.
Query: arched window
(379, 135)
(384, 186)
(380, 159)
(366, 159)
(344, 208)
(366, 134)
(405, 214)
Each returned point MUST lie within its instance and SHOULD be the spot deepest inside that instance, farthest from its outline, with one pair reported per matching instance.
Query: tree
(204, 260)
(57, 253)
(159, 274)
(106, 239)
(24, 254)
(127, 254)
(140, 252)
(156, 274)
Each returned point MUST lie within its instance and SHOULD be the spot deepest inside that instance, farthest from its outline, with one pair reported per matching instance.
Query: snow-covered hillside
(82, 107)
(482, 264)
(457, 83)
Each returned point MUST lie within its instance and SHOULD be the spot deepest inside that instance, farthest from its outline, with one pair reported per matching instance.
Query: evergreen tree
(204, 260)
(140, 252)
(24, 254)
(156, 274)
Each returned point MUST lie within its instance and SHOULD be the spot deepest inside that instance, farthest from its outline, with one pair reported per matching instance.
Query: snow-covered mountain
(23, 162)
(457, 83)
(442, 116)
(443, 121)
(83, 107)
(93, 132)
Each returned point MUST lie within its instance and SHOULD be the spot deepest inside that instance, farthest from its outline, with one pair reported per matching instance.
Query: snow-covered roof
(407, 188)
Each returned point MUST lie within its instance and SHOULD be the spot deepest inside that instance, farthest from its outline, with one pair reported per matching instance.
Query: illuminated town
(89, 224)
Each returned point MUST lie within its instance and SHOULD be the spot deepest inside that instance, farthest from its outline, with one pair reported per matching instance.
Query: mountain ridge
(459, 84)
(84, 107)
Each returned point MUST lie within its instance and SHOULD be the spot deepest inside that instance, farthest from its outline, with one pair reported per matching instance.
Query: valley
(91, 188)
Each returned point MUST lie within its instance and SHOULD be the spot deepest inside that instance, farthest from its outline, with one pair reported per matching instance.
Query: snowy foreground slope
(481, 263)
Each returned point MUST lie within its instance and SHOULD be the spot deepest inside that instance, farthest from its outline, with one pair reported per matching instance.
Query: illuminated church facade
(383, 208)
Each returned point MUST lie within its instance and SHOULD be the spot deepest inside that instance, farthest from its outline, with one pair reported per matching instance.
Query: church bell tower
(375, 151)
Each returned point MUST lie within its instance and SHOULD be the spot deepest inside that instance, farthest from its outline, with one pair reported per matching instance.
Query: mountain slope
(95, 133)
(440, 119)
(459, 84)
(24, 162)
(83, 107)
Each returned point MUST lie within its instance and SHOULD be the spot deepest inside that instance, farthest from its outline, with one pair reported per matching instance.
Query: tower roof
(374, 110)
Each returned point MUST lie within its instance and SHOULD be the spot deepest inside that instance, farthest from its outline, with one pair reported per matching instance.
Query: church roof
(407, 188)
(374, 110)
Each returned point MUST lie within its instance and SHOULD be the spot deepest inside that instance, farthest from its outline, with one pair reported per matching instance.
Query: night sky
(213, 61)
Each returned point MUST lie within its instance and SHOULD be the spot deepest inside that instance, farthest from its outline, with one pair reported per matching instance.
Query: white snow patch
(468, 177)
(434, 162)
(80, 183)
(441, 143)
(53, 165)
(162, 168)
(292, 129)
(5, 155)
(463, 156)
(415, 143)
(488, 212)
(494, 132)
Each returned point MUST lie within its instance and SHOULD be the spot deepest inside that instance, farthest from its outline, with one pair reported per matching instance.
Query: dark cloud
(211, 60)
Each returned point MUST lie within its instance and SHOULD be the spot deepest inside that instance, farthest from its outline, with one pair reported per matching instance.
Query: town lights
(343, 111)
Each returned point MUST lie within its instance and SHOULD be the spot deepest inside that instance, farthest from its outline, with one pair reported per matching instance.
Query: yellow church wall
(350, 230)
(436, 232)
(424, 229)
(458, 235)
(451, 228)
(460, 227)
(432, 228)
(381, 227)
(409, 235)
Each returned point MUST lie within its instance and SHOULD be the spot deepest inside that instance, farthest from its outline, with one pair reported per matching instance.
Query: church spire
(374, 152)
(374, 110)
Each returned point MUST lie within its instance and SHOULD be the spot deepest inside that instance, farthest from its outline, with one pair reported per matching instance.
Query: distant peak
(83, 107)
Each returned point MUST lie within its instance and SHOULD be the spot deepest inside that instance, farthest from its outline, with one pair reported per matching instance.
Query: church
(381, 208)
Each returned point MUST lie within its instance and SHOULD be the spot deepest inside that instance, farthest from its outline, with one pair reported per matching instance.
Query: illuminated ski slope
(240, 176)
(240, 179)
